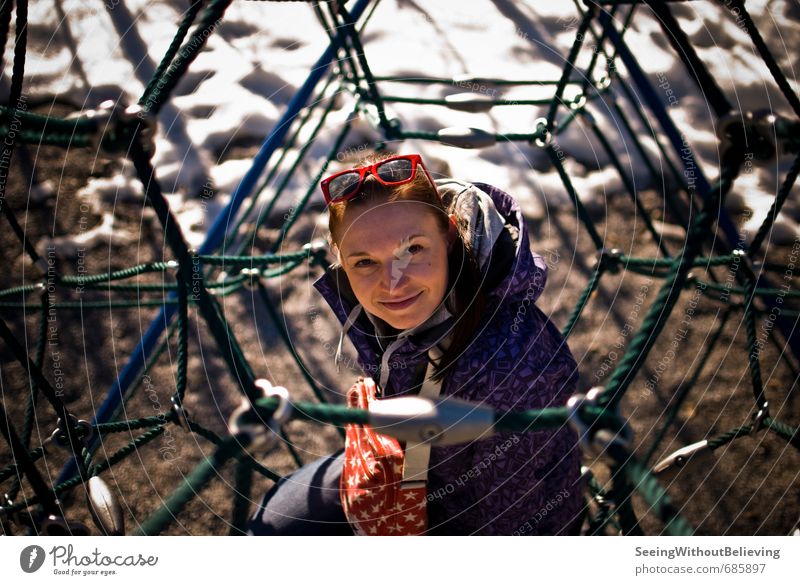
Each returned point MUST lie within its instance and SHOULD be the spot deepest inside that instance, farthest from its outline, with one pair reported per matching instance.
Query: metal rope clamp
(180, 414)
(104, 508)
(59, 526)
(746, 263)
(115, 125)
(440, 421)
(60, 436)
(7, 517)
(546, 138)
(261, 433)
(610, 258)
(603, 83)
(317, 250)
(758, 418)
(678, 459)
(469, 102)
(464, 137)
(595, 441)
(766, 135)
(577, 103)
(602, 500)
(250, 277)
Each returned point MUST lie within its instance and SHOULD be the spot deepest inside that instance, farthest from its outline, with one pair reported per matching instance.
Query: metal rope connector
(60, 436)
(577, 103)
(7, 517)
(602, 500)
(466, 137)
(758, 418)
(745, 263)
(252, 276)
(261, 433)
(595, 441)
(678, 459)
(761, 134)
(545, 138)
(610, 258)
(59, 526)
(115, 125)
(469, 102)
(317, 249)
(180, 414)
(104, 508)
(441, 421)
(603, 83)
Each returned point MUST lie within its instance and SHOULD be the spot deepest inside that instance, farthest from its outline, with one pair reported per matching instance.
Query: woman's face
(395, 257)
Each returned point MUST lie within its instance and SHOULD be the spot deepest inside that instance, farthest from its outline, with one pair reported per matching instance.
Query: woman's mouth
(401, 304)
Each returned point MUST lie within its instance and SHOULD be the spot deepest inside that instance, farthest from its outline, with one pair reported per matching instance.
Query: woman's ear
(452, 232)
(333, 247)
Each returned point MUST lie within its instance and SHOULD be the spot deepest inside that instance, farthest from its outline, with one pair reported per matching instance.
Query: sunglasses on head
(390, 172)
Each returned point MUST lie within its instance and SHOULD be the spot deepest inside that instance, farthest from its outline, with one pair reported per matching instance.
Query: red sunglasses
(391, 172)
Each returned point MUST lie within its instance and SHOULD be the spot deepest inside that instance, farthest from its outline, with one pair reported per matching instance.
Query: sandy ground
(747, 487)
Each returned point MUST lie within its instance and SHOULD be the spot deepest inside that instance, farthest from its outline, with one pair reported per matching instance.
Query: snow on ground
(262, 51)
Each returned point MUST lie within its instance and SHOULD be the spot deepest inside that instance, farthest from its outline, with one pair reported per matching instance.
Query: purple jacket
(510, 483)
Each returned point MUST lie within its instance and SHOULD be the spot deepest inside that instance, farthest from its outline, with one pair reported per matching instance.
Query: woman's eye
(363, 263)
(414, 248)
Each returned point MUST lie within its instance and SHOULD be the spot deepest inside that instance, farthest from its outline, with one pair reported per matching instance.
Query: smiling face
(395, 258)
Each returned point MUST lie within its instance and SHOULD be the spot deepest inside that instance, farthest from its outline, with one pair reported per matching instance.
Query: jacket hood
(496, 229)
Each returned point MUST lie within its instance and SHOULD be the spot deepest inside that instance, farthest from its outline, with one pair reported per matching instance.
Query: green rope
(161, 89)
(683, 391)
(629, 186)
(758, 292)
(591, 286)
(350, 31)
(223, 336)
(570, 65)
(775, 208)
(583, 215)
(30, 413)
(657, 497)
(605, 515)
(284, 333)
(752, 354)
(162, 518)
(786, 432)
(217, 440)
(289, 146)
(243, 483)
(39, 122)
(12, 469)
(667, 296)
(172, 50)
(600, 49)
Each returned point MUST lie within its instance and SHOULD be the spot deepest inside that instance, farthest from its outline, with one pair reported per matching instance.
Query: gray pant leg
(306, 502)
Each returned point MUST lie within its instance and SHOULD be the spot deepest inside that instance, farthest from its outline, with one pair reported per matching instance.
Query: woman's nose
(393, 275)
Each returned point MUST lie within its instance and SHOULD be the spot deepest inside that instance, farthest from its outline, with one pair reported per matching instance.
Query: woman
(424, 263)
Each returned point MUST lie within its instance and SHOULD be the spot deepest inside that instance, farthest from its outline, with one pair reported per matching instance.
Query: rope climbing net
(199, 279)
